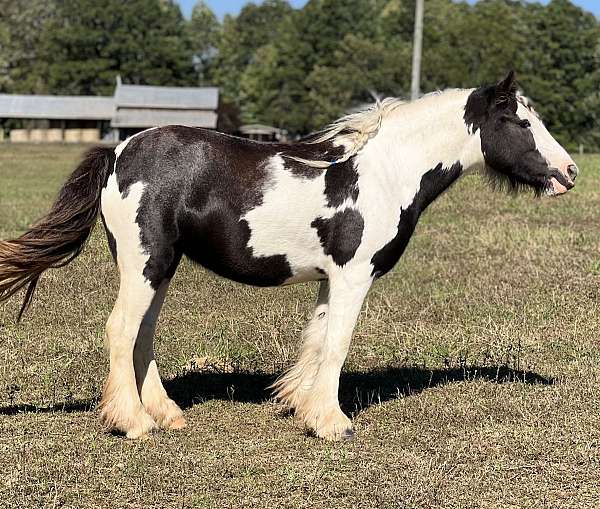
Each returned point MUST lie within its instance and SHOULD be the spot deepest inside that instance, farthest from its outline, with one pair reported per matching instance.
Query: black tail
(58, 237)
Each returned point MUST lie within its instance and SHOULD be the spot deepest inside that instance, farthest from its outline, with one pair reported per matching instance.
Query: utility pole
(415, 89)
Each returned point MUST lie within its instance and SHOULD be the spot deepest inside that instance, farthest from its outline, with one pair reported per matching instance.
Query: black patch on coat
(340, 235)
(198, 185)
(112, 243)
(341, 183)
(302, 170)
(508, 146)
(309, 151)
(433, 183)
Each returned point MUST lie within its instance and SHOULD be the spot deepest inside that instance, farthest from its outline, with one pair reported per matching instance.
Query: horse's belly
(229, 247)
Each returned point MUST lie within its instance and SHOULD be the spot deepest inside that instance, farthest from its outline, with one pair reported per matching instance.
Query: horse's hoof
(137, 435)
(178, 423)
(334, 426)
(144, 426)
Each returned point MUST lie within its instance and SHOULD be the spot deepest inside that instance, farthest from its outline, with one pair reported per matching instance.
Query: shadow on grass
(358, 390)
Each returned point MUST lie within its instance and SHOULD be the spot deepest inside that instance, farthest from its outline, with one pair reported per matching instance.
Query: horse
(338, 207)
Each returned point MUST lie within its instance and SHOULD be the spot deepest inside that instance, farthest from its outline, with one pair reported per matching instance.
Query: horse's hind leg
(135, 311)
(164, 410)
(121, 407)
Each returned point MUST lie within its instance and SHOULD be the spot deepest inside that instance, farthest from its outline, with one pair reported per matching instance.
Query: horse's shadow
(358, 390)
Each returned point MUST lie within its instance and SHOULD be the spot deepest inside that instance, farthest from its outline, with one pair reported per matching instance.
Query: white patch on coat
(545, 143)
(120, 215)
(281, 225)
(412, 140)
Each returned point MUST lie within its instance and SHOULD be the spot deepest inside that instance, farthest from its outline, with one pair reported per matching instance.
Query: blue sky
(222, 7)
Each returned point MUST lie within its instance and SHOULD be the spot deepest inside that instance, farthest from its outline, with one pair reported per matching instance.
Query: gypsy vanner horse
(338, 208)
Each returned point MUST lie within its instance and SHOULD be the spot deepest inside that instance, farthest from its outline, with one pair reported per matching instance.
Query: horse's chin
(555, 188)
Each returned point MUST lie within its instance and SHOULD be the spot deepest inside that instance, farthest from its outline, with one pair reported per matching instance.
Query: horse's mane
(352, 131)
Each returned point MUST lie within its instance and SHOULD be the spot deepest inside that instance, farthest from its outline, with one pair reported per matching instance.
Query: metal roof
(181, 98)
(132, 106)
(147, 117)
(56, 107)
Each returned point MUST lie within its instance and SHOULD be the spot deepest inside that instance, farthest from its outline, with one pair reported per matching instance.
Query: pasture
(473, 378)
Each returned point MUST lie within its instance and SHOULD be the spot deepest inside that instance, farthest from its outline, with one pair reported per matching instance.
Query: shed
(263, 132)
(57, 118)
(142, 106)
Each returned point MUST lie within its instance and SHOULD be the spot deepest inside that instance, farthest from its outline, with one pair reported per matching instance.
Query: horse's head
(517, 148)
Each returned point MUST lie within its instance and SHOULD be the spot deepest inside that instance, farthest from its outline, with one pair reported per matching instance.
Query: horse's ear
(506, 90)
(508, 86)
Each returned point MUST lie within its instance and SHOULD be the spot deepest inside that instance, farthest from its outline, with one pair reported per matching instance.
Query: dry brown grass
(473, 377)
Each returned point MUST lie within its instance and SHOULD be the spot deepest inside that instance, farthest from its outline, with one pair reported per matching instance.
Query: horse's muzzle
(562, 180)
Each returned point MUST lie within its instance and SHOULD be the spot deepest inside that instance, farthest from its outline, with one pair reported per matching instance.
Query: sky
(222, 7)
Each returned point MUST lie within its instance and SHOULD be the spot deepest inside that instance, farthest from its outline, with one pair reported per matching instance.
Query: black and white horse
(338, 208)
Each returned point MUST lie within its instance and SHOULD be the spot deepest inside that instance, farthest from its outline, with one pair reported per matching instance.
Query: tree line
(301, 68)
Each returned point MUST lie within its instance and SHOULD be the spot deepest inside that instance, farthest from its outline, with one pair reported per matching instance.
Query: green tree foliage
(333, 55)
(87, 43)
(295, 87)
(22, 25)
(241, 37)
(203, 33)
(562, 71)
(301, 68)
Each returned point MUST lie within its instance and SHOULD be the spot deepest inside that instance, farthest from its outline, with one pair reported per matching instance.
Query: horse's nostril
(573, 171)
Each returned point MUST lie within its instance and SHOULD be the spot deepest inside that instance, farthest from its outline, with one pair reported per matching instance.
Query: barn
(138, 107)
(132, 108)
(44, 118)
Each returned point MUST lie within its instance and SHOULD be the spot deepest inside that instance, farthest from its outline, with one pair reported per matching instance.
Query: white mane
(353, 131)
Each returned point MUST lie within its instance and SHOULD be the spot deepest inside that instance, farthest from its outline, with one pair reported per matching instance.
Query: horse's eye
(525, 124)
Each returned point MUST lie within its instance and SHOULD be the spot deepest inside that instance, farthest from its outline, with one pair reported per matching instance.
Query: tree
(88, 43)
(287, 84)
(241, 37)
(363, 71)
(562, 71)
(203, 32)
(22, 24)
(272, 86)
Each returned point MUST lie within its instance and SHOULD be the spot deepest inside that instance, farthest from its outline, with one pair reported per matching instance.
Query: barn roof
(193, 98)
(145, 117)
(136, 106)
(148, 106)
(56, 107)
(260, 129)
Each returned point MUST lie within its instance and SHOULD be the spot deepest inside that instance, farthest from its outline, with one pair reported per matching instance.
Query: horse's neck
(417, 138)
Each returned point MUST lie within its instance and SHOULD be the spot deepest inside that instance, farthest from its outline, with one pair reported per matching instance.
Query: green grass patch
(473, 375)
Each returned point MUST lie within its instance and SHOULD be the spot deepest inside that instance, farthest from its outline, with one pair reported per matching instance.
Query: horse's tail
(58, 237)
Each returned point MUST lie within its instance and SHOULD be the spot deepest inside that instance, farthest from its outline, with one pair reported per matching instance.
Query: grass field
(473, 379)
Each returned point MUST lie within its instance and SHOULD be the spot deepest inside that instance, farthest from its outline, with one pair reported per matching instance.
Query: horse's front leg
(316, 399)
(294, 385)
